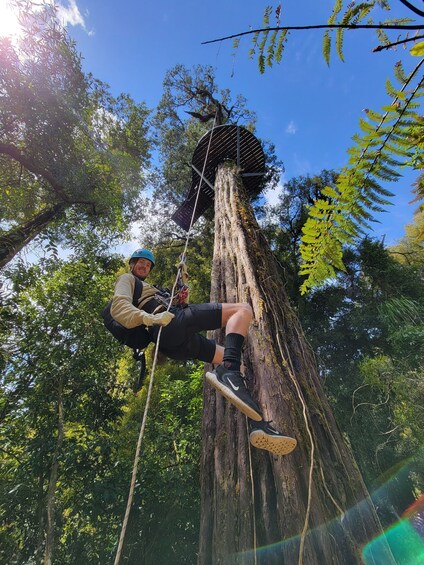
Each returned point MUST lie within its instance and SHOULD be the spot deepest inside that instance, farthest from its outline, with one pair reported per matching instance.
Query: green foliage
(390, 140)
(164, 525)
(353, 15)
(366, 329)
(64, 139)
(283, 223)
(52, 333)
(387, 143)
(345, 14)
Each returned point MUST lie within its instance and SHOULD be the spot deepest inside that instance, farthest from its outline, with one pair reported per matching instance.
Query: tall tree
(65, 141)
(311, 504)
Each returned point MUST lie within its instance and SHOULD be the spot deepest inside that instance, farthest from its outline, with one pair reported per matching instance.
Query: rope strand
(149, 393)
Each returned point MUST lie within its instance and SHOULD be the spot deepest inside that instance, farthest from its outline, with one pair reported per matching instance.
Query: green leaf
(417, 50)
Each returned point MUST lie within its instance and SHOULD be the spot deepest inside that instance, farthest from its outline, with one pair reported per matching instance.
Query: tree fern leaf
(261, 64)
(330, 192)
(280, 45)
(336, 10)
(267, 14)
(263, 41)
(326, 46)
(271, 49)
(339, 43)
(391, 90)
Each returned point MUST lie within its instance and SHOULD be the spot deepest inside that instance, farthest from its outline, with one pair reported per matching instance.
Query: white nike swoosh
(232, 385)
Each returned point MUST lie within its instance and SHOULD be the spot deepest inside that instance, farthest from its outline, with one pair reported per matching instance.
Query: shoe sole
(231, 397)
(281, 445)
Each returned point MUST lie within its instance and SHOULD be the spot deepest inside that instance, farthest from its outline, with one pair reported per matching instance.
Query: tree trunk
(310, 506)
(15, 239)
(51, 491)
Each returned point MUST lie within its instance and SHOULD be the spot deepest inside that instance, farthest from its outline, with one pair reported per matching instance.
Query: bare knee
(237, 317)
(246, 309)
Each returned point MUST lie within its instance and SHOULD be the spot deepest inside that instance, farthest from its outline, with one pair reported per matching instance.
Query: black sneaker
(264, 436)
(231, 384)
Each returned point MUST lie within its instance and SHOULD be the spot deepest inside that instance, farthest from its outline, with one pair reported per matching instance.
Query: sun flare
(9, 25)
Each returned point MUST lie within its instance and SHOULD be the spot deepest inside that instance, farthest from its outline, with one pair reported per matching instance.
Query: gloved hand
(161, 319)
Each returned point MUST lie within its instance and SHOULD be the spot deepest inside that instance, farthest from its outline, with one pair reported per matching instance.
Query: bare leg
(236, 318)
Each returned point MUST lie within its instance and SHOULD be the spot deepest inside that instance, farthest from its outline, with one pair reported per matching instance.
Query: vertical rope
(149, 393)
(137, 458)
(253, 497)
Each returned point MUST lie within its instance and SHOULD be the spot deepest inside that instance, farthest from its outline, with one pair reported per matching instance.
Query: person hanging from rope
(180, 339)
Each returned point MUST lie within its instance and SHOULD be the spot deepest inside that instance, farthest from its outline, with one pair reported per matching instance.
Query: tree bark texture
(310, 506)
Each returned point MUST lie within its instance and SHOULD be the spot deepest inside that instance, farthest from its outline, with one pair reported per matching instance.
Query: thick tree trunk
(51, 491)
(15, 239)
(310, 506)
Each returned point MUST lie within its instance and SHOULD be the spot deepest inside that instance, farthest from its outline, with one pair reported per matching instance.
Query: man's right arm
(124, 312)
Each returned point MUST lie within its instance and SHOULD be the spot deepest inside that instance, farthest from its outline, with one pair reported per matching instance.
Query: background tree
(353, 325)
(65, 142)
(69, 421)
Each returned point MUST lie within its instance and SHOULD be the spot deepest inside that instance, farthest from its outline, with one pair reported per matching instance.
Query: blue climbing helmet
(143, 254)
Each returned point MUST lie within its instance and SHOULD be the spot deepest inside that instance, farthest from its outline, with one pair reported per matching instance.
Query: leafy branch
(318, 26)
(268, 41)
(343, 211)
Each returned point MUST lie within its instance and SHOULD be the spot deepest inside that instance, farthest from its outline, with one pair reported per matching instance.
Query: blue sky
(308, 110)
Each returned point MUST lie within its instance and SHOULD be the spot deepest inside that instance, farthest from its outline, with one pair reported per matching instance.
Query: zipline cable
(149, 392)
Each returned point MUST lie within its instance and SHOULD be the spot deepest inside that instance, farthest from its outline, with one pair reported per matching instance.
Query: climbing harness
(179, 280)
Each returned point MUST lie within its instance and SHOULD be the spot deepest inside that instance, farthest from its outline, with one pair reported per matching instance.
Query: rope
(137, 458)
(149, 393)
(253, 497)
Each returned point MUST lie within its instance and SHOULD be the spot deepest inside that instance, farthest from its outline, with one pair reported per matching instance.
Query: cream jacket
(122, 309)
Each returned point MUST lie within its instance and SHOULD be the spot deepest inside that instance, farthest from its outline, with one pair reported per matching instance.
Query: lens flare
(402, 543)
(9, 24)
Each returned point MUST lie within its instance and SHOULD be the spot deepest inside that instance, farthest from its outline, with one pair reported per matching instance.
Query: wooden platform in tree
(228, 143)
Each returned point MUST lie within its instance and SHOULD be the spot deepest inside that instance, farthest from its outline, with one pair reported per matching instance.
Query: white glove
(161, 319)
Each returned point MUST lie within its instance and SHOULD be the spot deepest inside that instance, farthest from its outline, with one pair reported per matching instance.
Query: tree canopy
(65, 142)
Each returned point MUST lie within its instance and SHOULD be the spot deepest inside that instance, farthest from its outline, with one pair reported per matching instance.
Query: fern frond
(400, 73)
(335, 12)
(344, 211)
(326, 46)
(267, 14)
(280, 45)
(271, 48)
(353, 15)
(261, 64)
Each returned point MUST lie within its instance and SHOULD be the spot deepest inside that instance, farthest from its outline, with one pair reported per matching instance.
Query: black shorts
(180, 338)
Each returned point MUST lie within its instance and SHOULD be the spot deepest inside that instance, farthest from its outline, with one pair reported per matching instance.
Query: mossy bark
(310, 506)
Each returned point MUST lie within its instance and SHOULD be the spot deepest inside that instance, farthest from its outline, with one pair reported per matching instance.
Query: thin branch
(412, 7)
(16, 154)
(321, 26)
(11, 455)
(401, 42)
